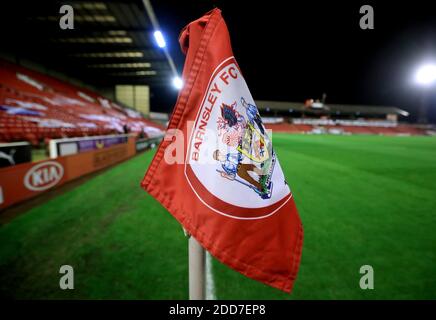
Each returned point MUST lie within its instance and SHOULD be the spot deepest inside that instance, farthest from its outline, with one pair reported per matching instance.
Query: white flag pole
(197, 268)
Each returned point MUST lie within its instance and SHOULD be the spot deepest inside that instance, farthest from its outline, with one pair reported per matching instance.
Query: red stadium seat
(34, 106)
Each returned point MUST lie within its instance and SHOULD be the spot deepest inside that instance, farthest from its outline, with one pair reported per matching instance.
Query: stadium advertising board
(27, 180)
(43, 176)
(14, 153)
(93, 144)
(69, 146)
(104, 158)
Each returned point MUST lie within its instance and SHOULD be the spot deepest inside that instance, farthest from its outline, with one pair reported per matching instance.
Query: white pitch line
(210, 283)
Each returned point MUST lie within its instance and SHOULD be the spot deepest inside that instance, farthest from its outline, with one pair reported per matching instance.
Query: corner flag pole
(197, 266)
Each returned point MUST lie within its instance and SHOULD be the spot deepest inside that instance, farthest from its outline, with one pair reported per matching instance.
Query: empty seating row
(34, 106)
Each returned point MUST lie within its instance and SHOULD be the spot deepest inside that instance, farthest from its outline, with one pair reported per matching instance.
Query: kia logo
(43, 176)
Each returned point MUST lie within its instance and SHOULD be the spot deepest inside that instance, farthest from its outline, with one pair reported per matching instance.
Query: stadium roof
(112, 41)
(330, 108)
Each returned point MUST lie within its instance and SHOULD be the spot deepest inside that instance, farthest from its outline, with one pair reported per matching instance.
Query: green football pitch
(364, 200)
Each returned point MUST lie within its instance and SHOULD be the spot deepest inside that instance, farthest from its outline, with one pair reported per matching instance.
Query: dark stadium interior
(115, 26)
(118, 26)
(320, 48)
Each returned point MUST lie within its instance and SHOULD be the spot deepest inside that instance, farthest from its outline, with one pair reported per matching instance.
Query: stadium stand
(294, 117)
(401, 129)
(34, 107)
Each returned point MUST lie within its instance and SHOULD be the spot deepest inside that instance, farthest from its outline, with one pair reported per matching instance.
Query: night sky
(294, 50)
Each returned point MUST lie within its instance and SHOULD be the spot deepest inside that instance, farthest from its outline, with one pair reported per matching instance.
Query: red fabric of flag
(216, 170)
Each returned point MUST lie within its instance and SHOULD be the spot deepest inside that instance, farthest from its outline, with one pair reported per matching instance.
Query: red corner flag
(216, 171)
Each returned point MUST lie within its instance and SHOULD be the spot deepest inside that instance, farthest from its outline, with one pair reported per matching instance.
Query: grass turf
(363, 200)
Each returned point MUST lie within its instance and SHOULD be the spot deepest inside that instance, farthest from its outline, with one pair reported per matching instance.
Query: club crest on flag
(231, 164)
